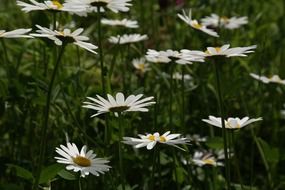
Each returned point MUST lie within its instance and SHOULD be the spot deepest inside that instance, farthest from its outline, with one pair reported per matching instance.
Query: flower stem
(101, 55)
(121, 152)
(79, 183)
(224, 131)
(153, 168)
(46, 118)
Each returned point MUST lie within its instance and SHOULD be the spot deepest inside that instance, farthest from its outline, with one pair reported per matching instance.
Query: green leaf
(215, 143)
(271, 153)
(21, 172)
(50, 172)
(66, 175)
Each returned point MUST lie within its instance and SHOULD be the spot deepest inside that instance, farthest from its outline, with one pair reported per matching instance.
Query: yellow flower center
(209, 161)
(162, 139)
(197, 25)
(119, 108)
(57, 4)
(141, 67)
(82, 161)
(218, 50)
(225, 19)
(151, 137)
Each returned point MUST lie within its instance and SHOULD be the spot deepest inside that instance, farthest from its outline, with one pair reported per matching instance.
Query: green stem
(183, 100)
(153, 168)
(46, 118)
(224, 131)
(79, 183)
(121, 152)
(6, 59)
(171, 96)
(101, 55)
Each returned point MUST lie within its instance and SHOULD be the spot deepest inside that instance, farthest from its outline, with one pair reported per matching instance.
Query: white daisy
(171, 55)
(230, 123)
(179, 76)
(18, 33)
(196, 139)
(92, 5)
(264, 79)
(202, 158)
(229, 23)
(66, 36)
(150, 140)
(125, 22)
(141, 65)
(83, 161)
(132, 103)
(229, 52)
(195, 24)
(127, 38)
(53, 5)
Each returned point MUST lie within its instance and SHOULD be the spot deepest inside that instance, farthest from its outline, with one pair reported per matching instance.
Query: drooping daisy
(127, 38)
(53, 5)
(266, 80)
(229, 23)
(150, 140)
(119, 104)
(171, 56)
(226, 51)
(125, 22)
(18, 33)
(202, 158)
(141, 65)
(84, 161)
(66, 36)
(230, 123)
(93, 5)
(195, 24)
(196, 139)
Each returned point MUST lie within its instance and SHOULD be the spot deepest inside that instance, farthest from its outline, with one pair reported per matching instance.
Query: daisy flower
(225, 50)
(141, 65)
(201, 158)
(171, 55)
(18, 33)
(266, 80)
(66, 36)
(84, 161)
(196, 139)
(150, 140)
(125, 22)
(93, 5)
(132, 103)
(53, 5)
(127, 38)
(228, 23)
(195, 24)
(230, 123)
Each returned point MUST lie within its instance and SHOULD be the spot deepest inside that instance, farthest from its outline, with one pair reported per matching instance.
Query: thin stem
(183, 100)
(121, 152)
(171, 96)
(6, 59)
(224, 131)
(153, 168)
(101, 55)
(46, 118)
(79, 183)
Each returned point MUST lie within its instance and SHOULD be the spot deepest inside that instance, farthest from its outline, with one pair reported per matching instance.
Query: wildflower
(141, 65)
(94, 5)
(266, 80)
(18, 33)
(195, 24)
(119, 104)
(125, 22)
(228, 23)
(171, 55)
(150, 140)
(127, 38)
(229, 52)
(231, 123)
(178, 76)
(196, 139)
(53, 5)
(66, 36)
(202, 158)
(83, 161)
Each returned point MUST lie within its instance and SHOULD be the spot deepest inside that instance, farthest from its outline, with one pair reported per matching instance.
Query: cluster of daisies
(86, 162)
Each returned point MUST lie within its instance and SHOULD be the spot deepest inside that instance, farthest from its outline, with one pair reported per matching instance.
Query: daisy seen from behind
(231, 123)
(195, 24)
(150, 140)
(125, 23)
(127, 38)
(93, 5)
(66, 36)
(18, 33)
(82, 161)
(266, 80)
(118, 104)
